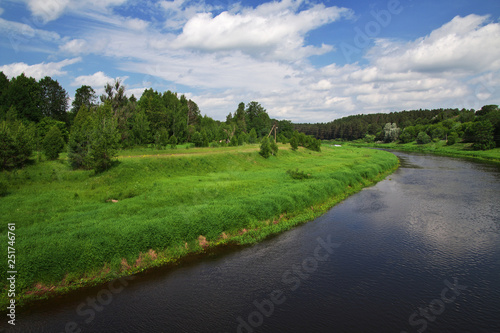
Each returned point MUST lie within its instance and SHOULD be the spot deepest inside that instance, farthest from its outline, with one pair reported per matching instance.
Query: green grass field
(75, 228)
(439, 148)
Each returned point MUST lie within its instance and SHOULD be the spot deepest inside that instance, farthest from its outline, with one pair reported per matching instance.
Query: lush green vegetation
(480, 128)
(439, 148)
(74, 226)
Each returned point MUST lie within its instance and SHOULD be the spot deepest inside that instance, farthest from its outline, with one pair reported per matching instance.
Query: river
(418, 252)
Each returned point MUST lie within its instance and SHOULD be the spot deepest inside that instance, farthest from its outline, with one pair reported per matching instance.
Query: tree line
(481, 127)
(36, 116)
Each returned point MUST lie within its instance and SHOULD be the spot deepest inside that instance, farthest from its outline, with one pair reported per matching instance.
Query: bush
(274, 148)
(298, 174)
(423, 138)
(480, 133)
(173, 142)
(294, 143)
(53, 143)
(265, 148)
(452, 139)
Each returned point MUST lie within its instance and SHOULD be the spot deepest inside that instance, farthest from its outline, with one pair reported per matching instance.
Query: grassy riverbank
(74, 228)
(439, 148)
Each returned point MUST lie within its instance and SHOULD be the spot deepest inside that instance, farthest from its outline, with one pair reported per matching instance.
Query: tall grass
(71, 224)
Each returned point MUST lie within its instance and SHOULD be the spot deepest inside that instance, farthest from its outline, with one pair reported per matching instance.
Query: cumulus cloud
(38, 71)
(465, 44)
(96, 80)
(75, 46)
(274, 30)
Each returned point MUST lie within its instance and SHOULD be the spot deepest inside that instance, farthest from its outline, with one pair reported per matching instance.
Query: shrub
(53, 143)
(265, 148)
(298, 174)
(452, 139)
(423, 138)
(274, 148)
(173, 142)
(294, 143)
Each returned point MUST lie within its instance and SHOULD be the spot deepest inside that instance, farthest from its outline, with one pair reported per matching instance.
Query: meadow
(76, 228)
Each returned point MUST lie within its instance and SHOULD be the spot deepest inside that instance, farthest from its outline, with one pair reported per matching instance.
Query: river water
(418, 252)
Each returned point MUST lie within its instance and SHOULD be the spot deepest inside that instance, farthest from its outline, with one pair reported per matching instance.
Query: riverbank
(75, 229)
(462, 150)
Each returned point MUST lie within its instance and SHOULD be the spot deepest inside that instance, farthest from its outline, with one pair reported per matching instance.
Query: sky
(305, 61)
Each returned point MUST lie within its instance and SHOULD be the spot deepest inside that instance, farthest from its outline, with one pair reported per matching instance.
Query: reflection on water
(399, 245)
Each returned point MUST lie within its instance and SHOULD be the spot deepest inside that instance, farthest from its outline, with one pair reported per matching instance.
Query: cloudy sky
(307, 61)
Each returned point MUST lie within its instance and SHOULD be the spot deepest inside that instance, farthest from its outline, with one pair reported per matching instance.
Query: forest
(35, 116)
(481, 128)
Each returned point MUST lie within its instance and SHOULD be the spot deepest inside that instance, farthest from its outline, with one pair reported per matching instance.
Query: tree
(481, 133)
(197, 139)
(140, 128)
(294, 143)
(173, 142)
(391, 132)
(84, 95)
(452, 139)
(252, 137)
(54, 99)
(53, 143)
(115, 94)
(94, 138)
(16, 143)
(265, 148)
(423, 138)
(258, 119)
(25, 95)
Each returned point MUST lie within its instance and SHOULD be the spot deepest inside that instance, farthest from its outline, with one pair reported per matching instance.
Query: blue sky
(307, 61)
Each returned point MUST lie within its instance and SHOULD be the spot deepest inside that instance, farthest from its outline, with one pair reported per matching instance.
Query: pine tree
(53, 143)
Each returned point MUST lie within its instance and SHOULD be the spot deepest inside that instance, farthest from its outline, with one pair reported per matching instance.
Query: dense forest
(481, 128)
(36, 116)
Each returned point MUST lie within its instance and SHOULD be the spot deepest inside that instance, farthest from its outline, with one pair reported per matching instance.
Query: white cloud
(19, 32)
(38, 71)
(1, 10)
(75, 46)
(50, 10)
(274, 30)
(96, 80)
(465, 44)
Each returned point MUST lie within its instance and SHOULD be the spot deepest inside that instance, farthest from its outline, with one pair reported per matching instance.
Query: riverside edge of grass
(76, 229)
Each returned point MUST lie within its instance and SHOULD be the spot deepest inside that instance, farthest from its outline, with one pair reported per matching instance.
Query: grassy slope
(69, 233)
(440, 148)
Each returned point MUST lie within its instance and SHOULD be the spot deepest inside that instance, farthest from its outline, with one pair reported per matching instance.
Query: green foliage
(423, 138)
(296, 174)
(452, 139)
(481, 133)
(252, 137)
(294, 143)
(93, 139)
(197, 139)
(314, 144)
(265, 148)
(17, 142)
(161, 138)
(173, 142)
(274, 148)
(53, 143)
(369, 138)
(140, 128)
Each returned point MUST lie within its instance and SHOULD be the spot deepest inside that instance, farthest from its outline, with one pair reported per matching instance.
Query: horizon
(308, 62)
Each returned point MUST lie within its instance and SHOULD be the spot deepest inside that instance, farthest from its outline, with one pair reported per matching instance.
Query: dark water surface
(418, 252)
